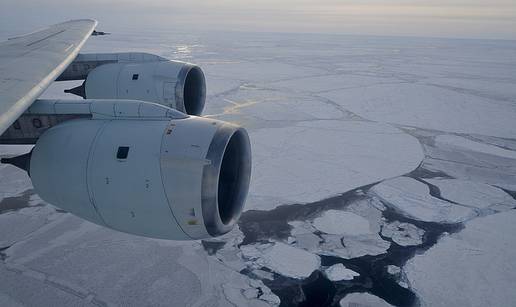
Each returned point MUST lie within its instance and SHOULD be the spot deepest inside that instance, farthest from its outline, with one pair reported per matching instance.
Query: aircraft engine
(177, 85)
(181, 179)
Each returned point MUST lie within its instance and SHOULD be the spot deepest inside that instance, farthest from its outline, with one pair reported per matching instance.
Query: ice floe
(339, 272)
(362, 299)
(282, 258)
(474, 267)
(412, 199)
(345, 234)
(393, 270)
(342, 222)
(403, 234)
(254, 293)
(313, 160)
(349, 247)
(474, 194)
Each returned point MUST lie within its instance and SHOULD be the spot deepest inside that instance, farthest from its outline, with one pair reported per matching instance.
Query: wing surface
(30, 63)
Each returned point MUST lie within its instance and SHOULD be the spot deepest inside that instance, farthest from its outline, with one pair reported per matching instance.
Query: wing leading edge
(30, 63)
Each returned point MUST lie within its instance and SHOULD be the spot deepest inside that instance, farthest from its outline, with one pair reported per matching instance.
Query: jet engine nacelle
(177, 85)
(185, 178)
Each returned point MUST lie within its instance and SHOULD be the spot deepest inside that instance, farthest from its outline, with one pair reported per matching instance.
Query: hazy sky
(448, 18)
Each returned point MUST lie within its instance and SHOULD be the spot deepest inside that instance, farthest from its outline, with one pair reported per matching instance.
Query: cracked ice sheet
(13, 180)
(412, 199)
(261, 71)
(474, 267)
(78, 257)
(16, 225)
(467, 144)
(429, 107)
(256, 106)
(317, 84)
(463, 162)
(314, 160)
(474, 194)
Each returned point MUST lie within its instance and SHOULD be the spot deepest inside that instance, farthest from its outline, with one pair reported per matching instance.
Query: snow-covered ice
(412, 198)
(342, 222)
(474, 267)
(339, 272)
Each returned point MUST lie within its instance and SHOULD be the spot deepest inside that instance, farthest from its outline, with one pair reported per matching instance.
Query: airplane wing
(125, 157)
(30, 63)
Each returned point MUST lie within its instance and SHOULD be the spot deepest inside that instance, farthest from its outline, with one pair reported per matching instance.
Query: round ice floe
(339, 272)
(342, 222)
(313, 160)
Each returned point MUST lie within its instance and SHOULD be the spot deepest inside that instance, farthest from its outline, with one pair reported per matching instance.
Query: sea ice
(393, 270)
(474, 194)
(467, 144)
(403, 234)
(430, 107)
(146, 271)
(304, 237)
(345, 234)
(13, 181)
(464, 163)
(411, 198)
(339, 272)
(349, 247)
(341, 222)
(282, 258)
(249, 294)
(474, 267)
(362, 299)
(313, 160)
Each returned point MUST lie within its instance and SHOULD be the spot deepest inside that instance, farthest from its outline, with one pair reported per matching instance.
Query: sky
(435, 18)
